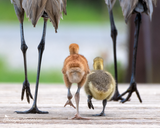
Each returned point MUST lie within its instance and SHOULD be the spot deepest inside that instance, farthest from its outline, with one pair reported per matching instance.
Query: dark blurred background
(148, 59)
(87, 23)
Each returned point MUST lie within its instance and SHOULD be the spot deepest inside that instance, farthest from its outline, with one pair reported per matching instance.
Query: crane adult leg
(34, 108)
(133, 85)
(24, 47)
(26, 85)
(114, 37)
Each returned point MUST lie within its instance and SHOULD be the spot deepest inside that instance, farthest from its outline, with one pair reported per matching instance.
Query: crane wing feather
(54, 9)
(110, 3)
(128, 7)
(34, 9)
(18, 9)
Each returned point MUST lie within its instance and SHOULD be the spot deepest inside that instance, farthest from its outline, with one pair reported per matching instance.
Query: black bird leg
(90, 105)
(34, 108)
(114, 37)
(26, 85)
(104, 102)
(133, 84)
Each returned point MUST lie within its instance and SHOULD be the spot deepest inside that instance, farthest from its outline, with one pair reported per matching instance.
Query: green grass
(7, 11)
(48, 76)
(83, 13)
(14, 76)
(121, 71)
(18, 77)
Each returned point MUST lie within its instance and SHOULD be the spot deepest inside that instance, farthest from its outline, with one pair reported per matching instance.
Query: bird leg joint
(133, 87)
(69, 96)
(89, 99)
(26, 84)
(114, 32)
(41, 46)
(90, 105)
(24, 48)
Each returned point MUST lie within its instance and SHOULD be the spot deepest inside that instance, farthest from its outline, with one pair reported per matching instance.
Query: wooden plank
(52, 98)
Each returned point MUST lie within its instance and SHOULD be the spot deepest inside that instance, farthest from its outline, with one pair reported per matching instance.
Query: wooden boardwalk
(52, 98)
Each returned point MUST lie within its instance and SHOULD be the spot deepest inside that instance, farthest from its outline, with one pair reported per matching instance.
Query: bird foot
(116, 96)
(69, 102)
(26, 88)
(33, 110)
(101, 114)
(90, 105)
(132, 88)
(78, 117)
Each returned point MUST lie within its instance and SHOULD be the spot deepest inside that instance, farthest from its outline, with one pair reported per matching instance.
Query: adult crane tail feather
(54, 8)
(128, 7)
(34, 9)
(149, 4)
(54, 12)
(18, 9)
(110, 3)
(63, 6)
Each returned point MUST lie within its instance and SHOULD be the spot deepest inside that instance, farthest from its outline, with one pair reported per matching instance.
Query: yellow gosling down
(100, 85)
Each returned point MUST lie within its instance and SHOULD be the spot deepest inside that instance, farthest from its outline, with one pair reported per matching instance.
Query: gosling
(100, 85)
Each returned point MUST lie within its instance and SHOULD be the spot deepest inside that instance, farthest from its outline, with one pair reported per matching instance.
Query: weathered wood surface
(52, 98)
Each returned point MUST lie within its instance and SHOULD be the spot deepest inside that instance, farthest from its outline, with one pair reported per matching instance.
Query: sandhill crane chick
(100, 85)
(75, 70)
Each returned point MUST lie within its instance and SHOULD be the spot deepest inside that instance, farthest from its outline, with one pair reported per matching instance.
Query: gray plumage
(110, 3)
(128, 6)
(18, 9)
(35, 8)
(101, 81)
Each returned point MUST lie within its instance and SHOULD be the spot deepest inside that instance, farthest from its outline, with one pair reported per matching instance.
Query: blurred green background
(87, 11)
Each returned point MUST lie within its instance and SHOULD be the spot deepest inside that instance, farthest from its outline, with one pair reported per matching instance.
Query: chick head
(73, 48)
(98, 63)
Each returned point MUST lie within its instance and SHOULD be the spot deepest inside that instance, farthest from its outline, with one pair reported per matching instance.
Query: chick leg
(114, 37)
(90, 105)
(133, 84)
(69, 96)
(103, 111)
(77, 99)
(34, 108)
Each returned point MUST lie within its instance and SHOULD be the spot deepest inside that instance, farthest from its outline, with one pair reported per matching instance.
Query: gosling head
(98, 63)
(73, 48)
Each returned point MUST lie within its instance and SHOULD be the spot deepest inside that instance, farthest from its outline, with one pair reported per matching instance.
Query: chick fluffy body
(75, 67)
(100, 84)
